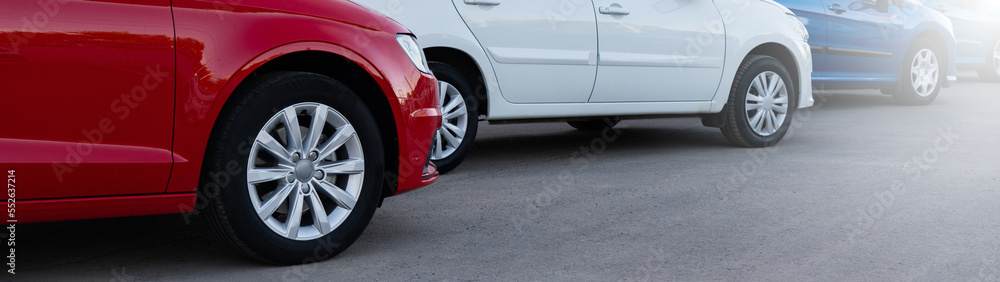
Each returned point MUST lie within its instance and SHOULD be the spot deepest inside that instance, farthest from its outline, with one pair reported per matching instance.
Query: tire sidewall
(262, 102)
(738, 102)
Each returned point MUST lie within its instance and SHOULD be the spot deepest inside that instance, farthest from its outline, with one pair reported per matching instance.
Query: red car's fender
(207, 77)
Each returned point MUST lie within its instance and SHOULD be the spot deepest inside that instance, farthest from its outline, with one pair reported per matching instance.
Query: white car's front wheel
(761, 103)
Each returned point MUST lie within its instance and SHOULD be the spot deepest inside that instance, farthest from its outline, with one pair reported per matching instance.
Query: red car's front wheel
(309, 161)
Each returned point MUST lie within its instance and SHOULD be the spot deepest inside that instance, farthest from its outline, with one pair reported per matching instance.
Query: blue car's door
(864, 44)
(812, 14)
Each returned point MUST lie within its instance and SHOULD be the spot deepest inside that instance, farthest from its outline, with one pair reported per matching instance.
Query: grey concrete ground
(864, 189)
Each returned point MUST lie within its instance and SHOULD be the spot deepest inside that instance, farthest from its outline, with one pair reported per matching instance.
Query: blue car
(977, 30)
(899, 46)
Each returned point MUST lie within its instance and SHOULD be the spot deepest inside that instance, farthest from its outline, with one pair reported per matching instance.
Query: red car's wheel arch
(186, 173)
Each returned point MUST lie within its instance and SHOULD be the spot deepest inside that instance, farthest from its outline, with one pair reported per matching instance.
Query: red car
(283, 123)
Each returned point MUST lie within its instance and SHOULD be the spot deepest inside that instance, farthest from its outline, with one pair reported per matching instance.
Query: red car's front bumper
(421, 117)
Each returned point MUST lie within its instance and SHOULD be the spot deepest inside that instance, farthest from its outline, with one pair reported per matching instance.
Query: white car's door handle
(614, 9)
(483, 2)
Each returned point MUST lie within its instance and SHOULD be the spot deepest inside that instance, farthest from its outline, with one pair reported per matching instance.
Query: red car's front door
(87, 91)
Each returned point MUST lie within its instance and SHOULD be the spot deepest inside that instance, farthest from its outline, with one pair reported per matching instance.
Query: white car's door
(543, 51)
(665, 50)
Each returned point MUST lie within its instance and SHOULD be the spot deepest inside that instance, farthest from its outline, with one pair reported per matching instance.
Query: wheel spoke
(320, 219)
(436, 154)
(768, 122)
(772, 87)
(758, 85)
(442, 91)
(344, 133)
(780, 109)
(439, 144)
(455, 129)
(755, 98)
(765, 122)
(450, 138)
(272, 146)
(272, 204)
(756, 121)
(316, 128)
(771, 128)
(460, 111)
(453, 105)
(292, 129)
(294, 214)
(348, 166)
(341, 197)
(751, 107)
(256, 176)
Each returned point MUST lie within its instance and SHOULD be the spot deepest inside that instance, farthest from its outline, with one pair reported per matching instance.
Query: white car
(742, 65)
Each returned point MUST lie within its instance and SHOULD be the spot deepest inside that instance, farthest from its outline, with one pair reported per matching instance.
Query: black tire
(991, 72)
(736, 127)
(594, 125)
(229, 210)
(908, 94)
(448, 74)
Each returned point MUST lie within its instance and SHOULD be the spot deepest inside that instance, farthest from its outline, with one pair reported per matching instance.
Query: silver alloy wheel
(996, 58)
(305, 171)
(454, 122)
(924, 72)
(766, 103)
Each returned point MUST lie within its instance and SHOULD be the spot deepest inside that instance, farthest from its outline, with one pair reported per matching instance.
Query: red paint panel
(84, 208)
(88, 90)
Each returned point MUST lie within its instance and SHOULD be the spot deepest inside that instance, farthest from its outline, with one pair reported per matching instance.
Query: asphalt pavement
(862, 189)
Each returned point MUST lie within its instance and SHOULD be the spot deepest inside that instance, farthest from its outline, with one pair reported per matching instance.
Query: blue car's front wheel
(922, 74)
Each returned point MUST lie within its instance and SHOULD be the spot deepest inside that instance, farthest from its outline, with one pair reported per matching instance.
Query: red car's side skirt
(100, 207)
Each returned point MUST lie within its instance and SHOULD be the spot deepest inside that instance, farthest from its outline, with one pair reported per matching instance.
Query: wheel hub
(304, 170)
(768, 102)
